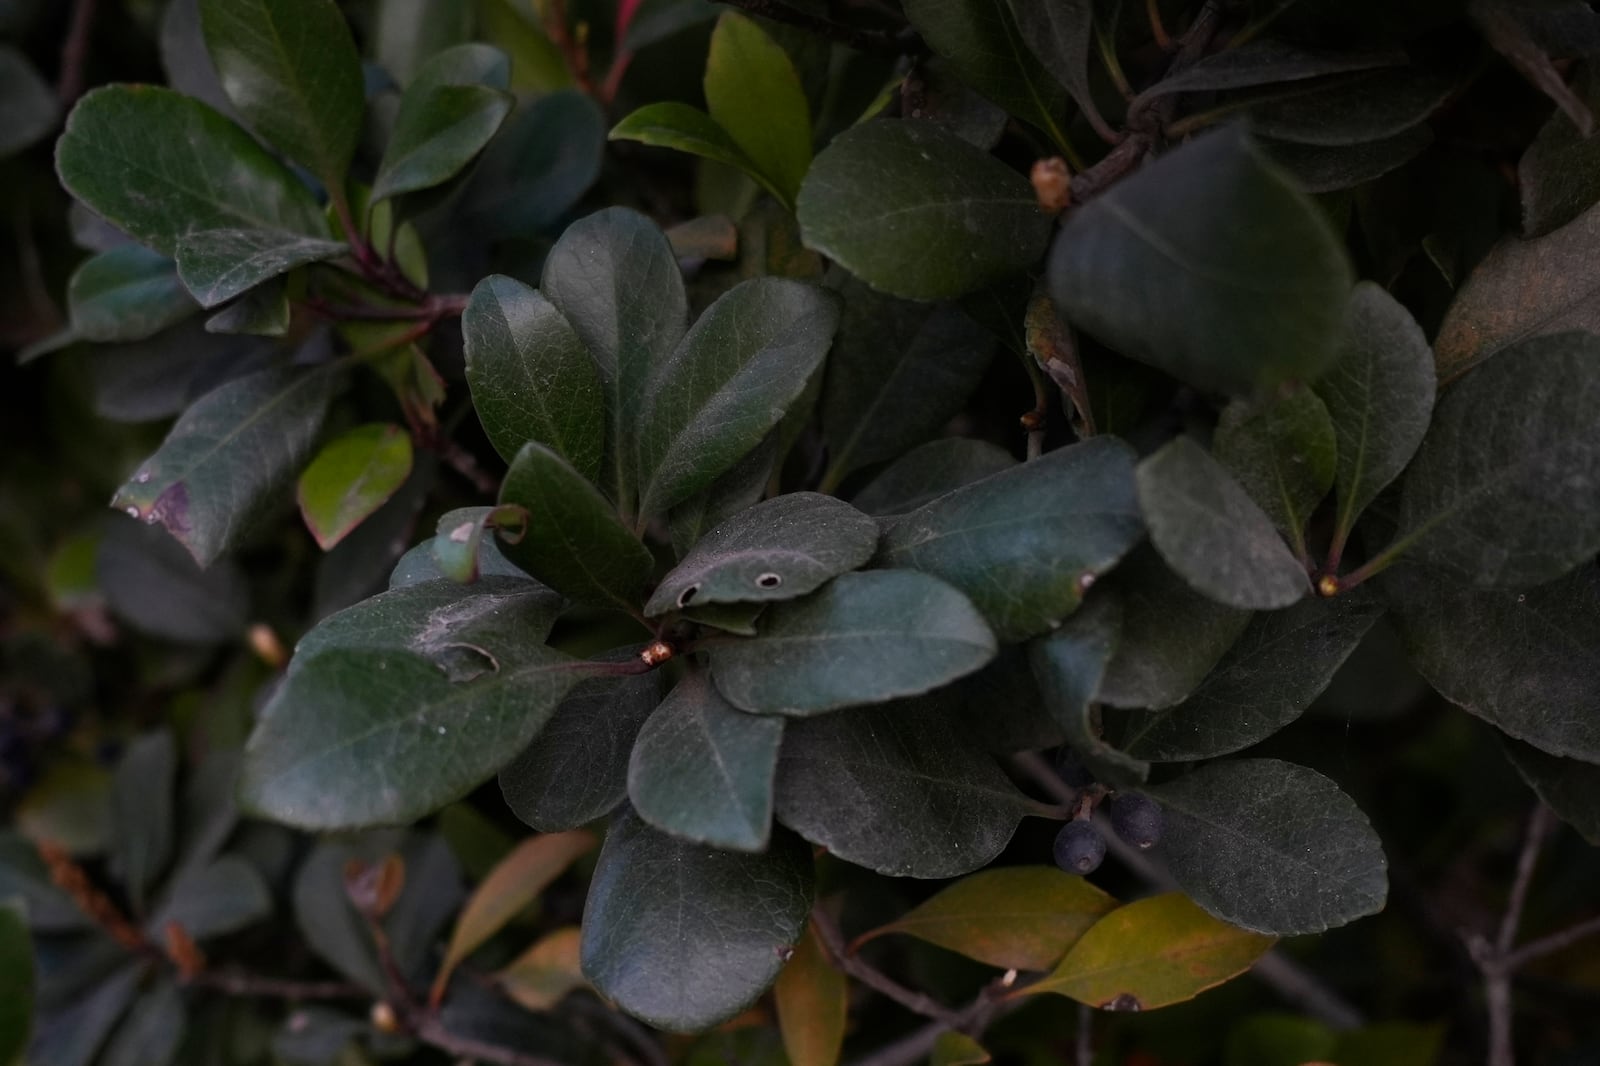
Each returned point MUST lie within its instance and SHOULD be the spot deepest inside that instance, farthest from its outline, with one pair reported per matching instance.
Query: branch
(872, 977)
(1494, 959)
(75, 53)
(235, 982)
(1551, 944)
(989, 1006)
(908, 44)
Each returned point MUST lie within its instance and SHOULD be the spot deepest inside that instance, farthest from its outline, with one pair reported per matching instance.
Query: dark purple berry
(1079, 848)
(1136, 819)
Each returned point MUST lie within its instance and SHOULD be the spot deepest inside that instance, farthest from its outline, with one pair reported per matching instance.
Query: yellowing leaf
(958, 1049)
(547, 971)
(813, 999)
(1153, 953)
(1017, 917)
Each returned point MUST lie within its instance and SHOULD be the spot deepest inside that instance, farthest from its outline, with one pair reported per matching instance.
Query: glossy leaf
(1059, 35)
(1013, 917)
(741, 487)
(126, 294)
(955, 1048)
(1208, 264)
(1267, 679)
(1153, 953)
(421, 564)
(431, 617)
(917, 212)
(262, 312)
(531, 377)
(217, 265)
(540, 977)
(1379, 396)
(777, 550)
(458, 546)
(703, 770)
(17, 982)
(574, 542)
(219, 898)
(1271, 846)
(755, 95)
(813, 1001)
(107, 159)
(291, 68)
(437, 132)
(727, 384)
(537, 167)
(1069, 665)
(1282, 453)
(684, 936)
(351, 477)
(1502, 491)
(897, 789)
(28, 107)
(227, 456)
(927, 472)
(576, 770)
(1568, 786)
(862, 638)
(1026, 543)
(1208, 529)
(143, 825)
(512, 885)
(471, 63)
(675, 125)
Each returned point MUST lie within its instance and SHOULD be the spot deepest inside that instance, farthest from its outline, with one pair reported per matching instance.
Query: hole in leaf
(687, 594)
(464, 662)
(769, 580)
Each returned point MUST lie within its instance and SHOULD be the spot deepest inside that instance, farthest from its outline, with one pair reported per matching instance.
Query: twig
(874, 978)
(430, 1030)
(1538, 828)
(465, 463)
(1549, 945)
(1083, 1043)
(862, 40)
(1493, 959)
(973, 1019)
(75, 52)
(236, 982)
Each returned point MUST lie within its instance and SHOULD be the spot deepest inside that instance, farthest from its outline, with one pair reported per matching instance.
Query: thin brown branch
(861, 40)
(874, 978)
(988, 1007)
(75, 53)
(235, 982)
(1549, 945)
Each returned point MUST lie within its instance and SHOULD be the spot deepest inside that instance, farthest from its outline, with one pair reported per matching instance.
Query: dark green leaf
(614, 277)
(742, 486)
(898, 372)
(1058, 34)
(408, 32)
(351, 477)
(927, 472)
(1503, 491)
(150, 581)
(1209, 530)
(675, 125)
(261, 312)
(1268, 61)
(142, 797)
(116, 156)
(1569, 787)
(1026, 543)
(1001, 709)
(153, 1030)
(537, 167)
(1069, 665)
(862, 638)
(432, 617)
(458, 543)
(577, 769)
(223, 897)
(217, 265)
(24, 877)
(421, 563)
(1379, 396)
(1559, 174)
(703, 770)
(754, 94)
(1282, 453)
(777, 550)
(126, 294)
(437, 132)
(227, 456)
(1171, 635)
(897, 789)
(1355, 109)
(656, 20)
(684, 936)
(1523, 661)
(291, 68)
(464, 64)
(939, 96)
(1208, 264)
(72, 1036)
(16, 981)
(982, 41)
(574, 542)
(1271, 846)
(918, 212)
(27, 105)
(1282, 662)
(729, 383)
(1328, 169)
(531, 377)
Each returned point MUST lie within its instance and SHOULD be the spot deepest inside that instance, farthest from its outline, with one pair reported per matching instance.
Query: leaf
(1320, 169)
(675, 125)
(1569, 787)
(1026, 543)
(1267, 679)
(437, 132)
(684, 936)
(1271, 846)
(1522, 661)
(728, 383)
(1068, 665)
(929, 471)
(1151, 954)
(540, 977)
(149, 581)
(25, 880)
(613, 275)
(28, 108)
(218, 265)
(458, 544)
(512, 885)
(898, 372)
(1013, 917)
(261, 312)
(421, 564)
(291, 68)
(17, 982)
(142, 795)
(1379, 396)
(862, 638)
(574, 542)
(703, 770)
(1268, 61)
(754, 94)
(1357, 108)
(1509, 31)
(1209, 530)
(115, 156)
(471, 63)
(351, 477)
(1208, 264)
(813, 1003)
(213, 900)
(981, 40)
(897, 789)
(537, 167)
(777, 550)
(73, 1035)
(1557, 174)
(1058, 35)
(1282, 453)
(434, 617)
(152, 1032)
(1503, 489)
(1000, 707)
(531, 377)
(917, 212)
(576, 770)
(1522, 289)
(738, 489)
(126, 294)
(358, 736)
(955, 1048)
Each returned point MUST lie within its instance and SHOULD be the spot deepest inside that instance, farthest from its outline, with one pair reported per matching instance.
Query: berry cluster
(1080, 847)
